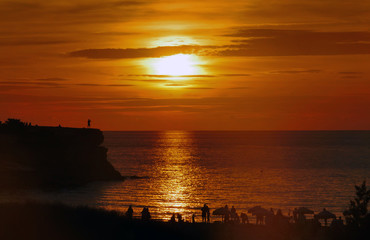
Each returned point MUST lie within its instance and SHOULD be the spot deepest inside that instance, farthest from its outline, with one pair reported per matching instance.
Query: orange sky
(186, 65)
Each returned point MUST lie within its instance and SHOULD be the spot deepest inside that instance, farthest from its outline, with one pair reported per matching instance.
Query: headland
(34, 156)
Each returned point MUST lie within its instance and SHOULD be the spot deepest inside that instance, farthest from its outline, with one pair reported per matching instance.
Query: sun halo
(176, 65)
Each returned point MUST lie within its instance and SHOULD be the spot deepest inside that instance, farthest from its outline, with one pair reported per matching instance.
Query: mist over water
(315, 169)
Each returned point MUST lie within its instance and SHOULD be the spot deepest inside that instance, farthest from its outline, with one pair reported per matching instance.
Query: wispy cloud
(53, 79)
(350, 73)
(171, 76)
(51, 83)
(296, 71)
(32, 41)
(252, 42)
(110, 53)
(275, 42)
(100, 85)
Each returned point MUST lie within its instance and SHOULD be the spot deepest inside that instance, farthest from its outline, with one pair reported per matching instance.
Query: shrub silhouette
(357, 214)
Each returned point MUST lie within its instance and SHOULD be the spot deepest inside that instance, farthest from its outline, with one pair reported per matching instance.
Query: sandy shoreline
(57, 221)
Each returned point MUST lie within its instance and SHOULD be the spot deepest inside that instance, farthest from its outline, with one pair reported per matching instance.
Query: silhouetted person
(205, 213)
(179, 218)
(259, 218)
(237, 218)
(173, 218)
(279, 213)
(325, 219)
(193, 218)
(340, 221)
(88, 122)
(145, 214)
(129, 212)
(301, 218)
(316, 221)
(295, 215)
(233, 214)
(244, 218)
(208, 215)
(279, 218)
(337, 224)
(227, 213)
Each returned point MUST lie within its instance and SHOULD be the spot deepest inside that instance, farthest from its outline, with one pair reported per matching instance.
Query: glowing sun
(176, 65)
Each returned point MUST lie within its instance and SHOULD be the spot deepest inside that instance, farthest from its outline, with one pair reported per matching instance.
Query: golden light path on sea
(175, 162)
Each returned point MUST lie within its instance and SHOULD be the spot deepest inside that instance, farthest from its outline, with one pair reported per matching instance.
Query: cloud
(252, 42)
(200, 88)
(351, 76)
(171, 76)
(111, 53)
(296, 71)
(176, 85)
(350, 73)
(53, 79)
(251, 106)
(275, 42)
(30, 83)
(239, 88)
(147, 80)
(235, 75)
(100, 85)
(32, 41)
(51, 83)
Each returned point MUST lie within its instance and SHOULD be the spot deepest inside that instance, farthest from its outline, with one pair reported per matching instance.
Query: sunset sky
(186, 65)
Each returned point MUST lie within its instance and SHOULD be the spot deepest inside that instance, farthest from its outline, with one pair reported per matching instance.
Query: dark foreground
(56, 221)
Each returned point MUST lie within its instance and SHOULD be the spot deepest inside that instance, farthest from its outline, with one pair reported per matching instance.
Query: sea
(182, 170)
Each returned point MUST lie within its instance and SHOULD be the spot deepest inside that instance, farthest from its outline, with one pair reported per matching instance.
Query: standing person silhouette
(227, 213)
(129, 212)
(208, 215)
(205, 213)
(173, 218)
(88, 122)
(145, 214)
(233, 213)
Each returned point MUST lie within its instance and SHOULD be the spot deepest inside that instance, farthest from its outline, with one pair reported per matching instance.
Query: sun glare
(176, 65)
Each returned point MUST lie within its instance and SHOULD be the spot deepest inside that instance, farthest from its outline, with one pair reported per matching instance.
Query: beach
(57, 221)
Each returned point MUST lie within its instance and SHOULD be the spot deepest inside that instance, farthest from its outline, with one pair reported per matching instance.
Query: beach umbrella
(325, 215)
(259, 211)
(346, 213)
(262, 212)
(256, 208)
(304, 210)
(219, 211)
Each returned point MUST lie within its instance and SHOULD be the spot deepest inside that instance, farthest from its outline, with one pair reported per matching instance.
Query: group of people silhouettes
(145, 214)
(228, 215)
(178, 216)
(231, 215)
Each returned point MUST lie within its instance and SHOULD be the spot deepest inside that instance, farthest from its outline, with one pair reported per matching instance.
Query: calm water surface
(187, 169)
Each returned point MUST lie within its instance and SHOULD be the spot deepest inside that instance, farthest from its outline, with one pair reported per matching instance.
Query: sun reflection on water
(179, 172)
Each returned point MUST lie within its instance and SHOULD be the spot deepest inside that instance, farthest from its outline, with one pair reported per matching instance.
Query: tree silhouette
(357, 213)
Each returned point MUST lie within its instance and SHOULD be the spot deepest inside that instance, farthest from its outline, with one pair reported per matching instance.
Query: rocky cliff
(35, 156)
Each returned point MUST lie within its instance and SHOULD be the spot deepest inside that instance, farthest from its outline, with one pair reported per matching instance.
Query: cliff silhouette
(49, 157)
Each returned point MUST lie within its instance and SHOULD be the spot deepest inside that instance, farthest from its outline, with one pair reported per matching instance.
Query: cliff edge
(48, 157)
